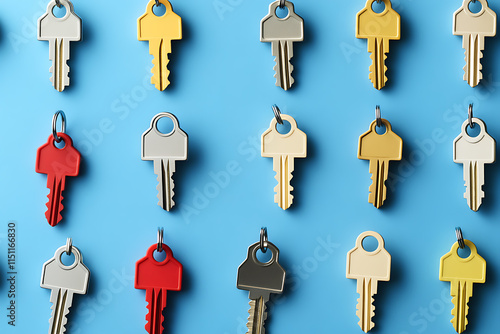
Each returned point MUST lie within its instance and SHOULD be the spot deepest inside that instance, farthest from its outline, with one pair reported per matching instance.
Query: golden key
(379, 29)
(159, 31)
(380, 150)
(284, 148)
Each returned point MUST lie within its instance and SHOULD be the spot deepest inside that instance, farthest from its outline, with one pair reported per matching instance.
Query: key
(157, 278)
(260, 279)
(63, 282)
(60, 32)
(462, 273)
(282, 33)
(57, 163)
(165, 150)
(160, 31)
(473, 153)
(474, 28)
(379, 29)
(380, 150)
(368, 268)
(284, 148)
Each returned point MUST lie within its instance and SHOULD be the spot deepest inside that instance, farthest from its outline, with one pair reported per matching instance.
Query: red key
(57, 163)
(157, 278)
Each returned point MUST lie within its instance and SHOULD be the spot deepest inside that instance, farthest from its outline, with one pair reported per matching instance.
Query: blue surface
(222, 89)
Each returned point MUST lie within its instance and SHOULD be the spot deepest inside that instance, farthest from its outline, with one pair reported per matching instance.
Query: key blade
(61, 300)
(59, 55)
(159, 48)
(165, 169)
(283, 53)
(365, 310)
(257, 315)
(474, 180)
(157, 302)
(378, 49)
(461, 293)
(283, 166)
(54, 205)
(379, 168)
(473, 45)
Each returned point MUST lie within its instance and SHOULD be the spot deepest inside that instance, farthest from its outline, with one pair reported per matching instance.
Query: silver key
(282, 33)
(64, 282)
(473, 153)
(260, 279)
(474, 28)
(165, 150)
(59, 32)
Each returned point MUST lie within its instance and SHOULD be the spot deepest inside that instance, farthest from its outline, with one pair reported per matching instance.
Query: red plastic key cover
(58, 161)
(151, 274)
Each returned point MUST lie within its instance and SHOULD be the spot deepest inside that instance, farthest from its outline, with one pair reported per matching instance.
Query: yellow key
(379, 29)
(284, 148)
(159, 31)
(380, 150)
(462, 273)
(368, 268)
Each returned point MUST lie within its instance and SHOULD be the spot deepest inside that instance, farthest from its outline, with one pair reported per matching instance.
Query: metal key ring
(263, 239)
(58, 3)
(54, 125)
(378, 116)
(277, 114)
(471, 124)
(157, 3)
(460, 237)
(159, 247)
(282, 4)
(69, 246)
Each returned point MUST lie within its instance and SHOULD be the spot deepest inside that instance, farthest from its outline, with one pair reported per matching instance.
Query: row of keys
(260, 279)
(58, 158)
(282, 33)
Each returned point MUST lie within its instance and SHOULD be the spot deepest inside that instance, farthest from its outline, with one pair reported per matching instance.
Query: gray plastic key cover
(74, 277)
(289, 28)
(68, 27)
(253, 274)
(157, 145)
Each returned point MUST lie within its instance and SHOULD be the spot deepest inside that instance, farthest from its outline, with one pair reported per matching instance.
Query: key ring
(471, 124)
(378, 116)
(157, 3)
(263, 239)
(69, 246)
(460, 237)
(159, 247)
(277, 114)
(282, 4)
(58, 3)
(54, 125)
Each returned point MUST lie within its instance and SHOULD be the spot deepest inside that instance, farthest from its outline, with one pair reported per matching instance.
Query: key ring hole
(264, 258)
(67, 260)
(475, 7)
(381, 130)
(159, 256)
(464, 253)
(285, 128)
(474, 131)
(370, 244)
(60, 145)
(282, 13)
(59, 12)
(159, 10)
(165, 126)
(378, 6)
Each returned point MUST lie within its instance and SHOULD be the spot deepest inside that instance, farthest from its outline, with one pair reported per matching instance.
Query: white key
(474, 28)
(59, 32)
(165, 150)
(282, 33)
(473, 153)
(64, 282)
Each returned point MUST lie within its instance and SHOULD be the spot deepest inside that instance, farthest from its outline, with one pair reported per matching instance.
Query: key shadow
(383, 300)
(176, 56)
(71, 181)
(306, 44)
(476, 302)
(169, 313)
(298, 181)
(76, 55)
(491, 173)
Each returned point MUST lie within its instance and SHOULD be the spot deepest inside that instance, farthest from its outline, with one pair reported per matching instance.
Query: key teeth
(251, 316)
(479, 68)
(454, 321)
(373, 72)
(156, 79)
(278, 191)
(359, 313)
(168, 204)
(279, 81)
(57, 212)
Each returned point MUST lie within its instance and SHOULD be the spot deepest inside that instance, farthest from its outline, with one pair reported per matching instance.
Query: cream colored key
(368, 268)
(284, 148)
(379, 29)
(380, 150)
(474, 27)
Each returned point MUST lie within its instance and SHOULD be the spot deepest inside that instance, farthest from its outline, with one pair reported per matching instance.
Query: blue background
(222, 90)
